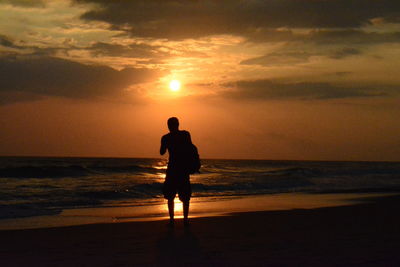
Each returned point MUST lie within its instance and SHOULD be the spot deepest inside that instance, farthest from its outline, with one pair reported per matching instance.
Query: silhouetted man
(177, 179)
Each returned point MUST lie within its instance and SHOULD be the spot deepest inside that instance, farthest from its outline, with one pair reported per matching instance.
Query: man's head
(173, 124)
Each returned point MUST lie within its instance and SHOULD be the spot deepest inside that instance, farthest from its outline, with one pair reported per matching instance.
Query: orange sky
(259, 79)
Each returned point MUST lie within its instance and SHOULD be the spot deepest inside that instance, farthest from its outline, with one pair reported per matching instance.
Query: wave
(101, 182)
(51, 171)
(20, 211)
(238, 169)
(43, 171)
(317, 171)
(383, 189)
(145, 190)
(125, 169)
(140, 194)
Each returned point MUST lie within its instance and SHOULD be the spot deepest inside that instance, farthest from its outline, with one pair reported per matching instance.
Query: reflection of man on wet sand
(177, 179)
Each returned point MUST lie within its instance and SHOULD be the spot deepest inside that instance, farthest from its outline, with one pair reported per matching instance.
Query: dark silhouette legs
(171, 211)
(171, 208)
(186, 213)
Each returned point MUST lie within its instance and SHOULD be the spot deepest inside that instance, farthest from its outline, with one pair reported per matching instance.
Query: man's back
(177, 143)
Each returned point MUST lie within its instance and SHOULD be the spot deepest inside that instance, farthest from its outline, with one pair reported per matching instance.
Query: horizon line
(254, 159)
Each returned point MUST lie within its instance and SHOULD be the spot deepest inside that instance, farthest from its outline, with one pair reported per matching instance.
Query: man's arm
(163, 147)
(189, 138)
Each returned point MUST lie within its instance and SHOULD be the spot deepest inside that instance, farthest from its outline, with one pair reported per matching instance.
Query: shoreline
(200, 207)
(363, 234)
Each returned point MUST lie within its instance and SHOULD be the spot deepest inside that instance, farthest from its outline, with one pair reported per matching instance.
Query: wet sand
(366, 234)
(199, 207)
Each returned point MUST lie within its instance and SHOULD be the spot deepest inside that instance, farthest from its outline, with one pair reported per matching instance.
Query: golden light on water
(178, 208)
(175, 85)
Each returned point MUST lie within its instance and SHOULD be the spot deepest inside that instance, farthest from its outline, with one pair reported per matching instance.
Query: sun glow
(175, 85)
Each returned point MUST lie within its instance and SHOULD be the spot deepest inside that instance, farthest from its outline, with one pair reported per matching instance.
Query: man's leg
(186, 212)
(171, 210)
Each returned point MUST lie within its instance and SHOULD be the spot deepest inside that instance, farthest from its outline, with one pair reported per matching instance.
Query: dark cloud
(272, 35)
(395, 18)
(345, 52)
(130, 50)
(51, 76)
(278, 58)
(288, 57)
(325, 36)
(268, 89)
(342, 73)
(177, 19)
(24, 3)
(7, 42)
(23, 47)
(350, 36)
(10, 97)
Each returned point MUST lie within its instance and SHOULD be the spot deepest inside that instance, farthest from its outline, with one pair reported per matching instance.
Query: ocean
(38, 186)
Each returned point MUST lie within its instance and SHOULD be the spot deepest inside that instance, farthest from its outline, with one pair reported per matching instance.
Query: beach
(365, 233)
(276, 121)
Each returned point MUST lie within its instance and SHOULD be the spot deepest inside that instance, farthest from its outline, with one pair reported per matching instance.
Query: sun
(175, 85)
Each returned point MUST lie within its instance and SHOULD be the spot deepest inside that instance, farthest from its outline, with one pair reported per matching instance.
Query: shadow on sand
(178, 246)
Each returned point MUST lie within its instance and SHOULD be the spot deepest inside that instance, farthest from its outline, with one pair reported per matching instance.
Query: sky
(271, 79)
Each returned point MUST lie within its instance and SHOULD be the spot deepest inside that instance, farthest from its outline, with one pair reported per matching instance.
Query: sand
(366, 234)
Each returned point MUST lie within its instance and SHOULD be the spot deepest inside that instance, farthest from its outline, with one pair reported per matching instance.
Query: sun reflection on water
(160, 177)
(160, 167)
(178, 208)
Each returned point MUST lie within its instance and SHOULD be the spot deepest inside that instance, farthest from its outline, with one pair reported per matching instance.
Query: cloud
(286, 56)
(278, 58)
(129, 50)
(268, 35)
(24, 3)
(10, 97)
(179, 19)
(342, 73)
(394, 18)
(269, 89)
(49, 76)
(7, 42)
(324, 36)
(350, 36)
(345, 52)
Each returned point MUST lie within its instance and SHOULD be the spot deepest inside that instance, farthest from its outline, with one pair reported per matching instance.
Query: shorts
(177, 182)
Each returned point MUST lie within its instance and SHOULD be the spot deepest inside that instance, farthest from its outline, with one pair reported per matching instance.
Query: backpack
(194, 163)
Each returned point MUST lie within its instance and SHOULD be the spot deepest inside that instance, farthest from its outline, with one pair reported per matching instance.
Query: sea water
(39, 186)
